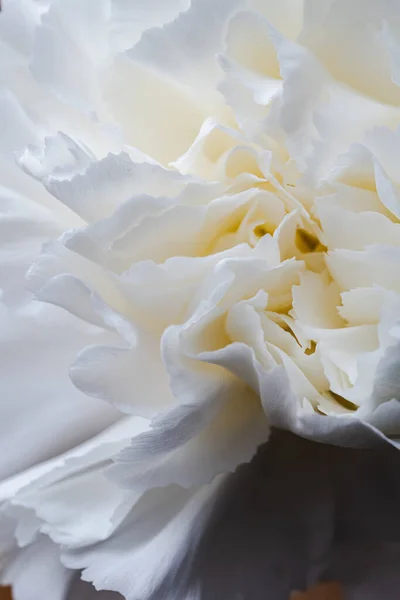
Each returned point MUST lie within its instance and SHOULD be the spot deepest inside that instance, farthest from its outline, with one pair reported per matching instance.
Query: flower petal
(178, 47)
(28, 342)
(37, 570)
(320, 116)
(376, 265)
(286, 16)
(65, 37)
(94, 188)
(128, 22)
(347, 36)
(132, 93)
(71, 500)
(126, 562)
(189, 445)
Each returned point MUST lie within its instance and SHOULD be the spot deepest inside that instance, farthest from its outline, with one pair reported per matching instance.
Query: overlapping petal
(210, 233)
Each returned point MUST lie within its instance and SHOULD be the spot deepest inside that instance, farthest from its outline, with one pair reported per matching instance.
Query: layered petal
(37, 569)
(207, 210)
(39, 342)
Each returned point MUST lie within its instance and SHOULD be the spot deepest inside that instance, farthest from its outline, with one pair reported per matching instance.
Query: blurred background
(331, 591)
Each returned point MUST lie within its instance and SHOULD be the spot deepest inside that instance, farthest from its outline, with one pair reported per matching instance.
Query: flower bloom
(204, 196)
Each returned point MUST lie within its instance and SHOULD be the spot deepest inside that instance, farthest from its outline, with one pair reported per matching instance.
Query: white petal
(347, 36)
(178, 47)
(30, 341)
(180, 230)
(286, 16)
(128, 21)
(320, 116)
(303, 82)
(211, 143)
(356, 199)
(19, 21)
(240, 89)
(388, 191)
(244, 325)
(376, 265)
(71, 500)
(18, 131)
(192, 443)
(343, 121)
(36, 571)
(66, 279)
(251, 68)
(64, 38)
(345, 346)
(132, 93)
(386, 382)
(354, 168)
(78, 511)
(139, 561)
(122, 375)
(384, 143)
(391, 42)
(315, 301)
(94, 188)
(344, 229)
(248, 44)
(363, 305)
(132, 379)
(95, 450)
(386, 416)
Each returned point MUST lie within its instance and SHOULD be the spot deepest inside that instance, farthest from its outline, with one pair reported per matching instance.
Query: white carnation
(215, 190)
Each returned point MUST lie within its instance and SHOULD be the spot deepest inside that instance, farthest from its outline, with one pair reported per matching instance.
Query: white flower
(215, 190)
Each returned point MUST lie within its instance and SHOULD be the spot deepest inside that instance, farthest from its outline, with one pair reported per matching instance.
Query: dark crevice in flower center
(306, 242)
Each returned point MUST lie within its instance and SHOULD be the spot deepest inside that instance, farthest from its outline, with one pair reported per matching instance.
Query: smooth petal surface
(37, 569)
(354, 31)
(40, 342)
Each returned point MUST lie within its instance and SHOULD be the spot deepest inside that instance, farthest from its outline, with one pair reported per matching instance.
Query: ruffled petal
(191, 444)
(320, 116)
(95, 188)
(128, 22)
(140, 562)
(69, 498)
(178, 48)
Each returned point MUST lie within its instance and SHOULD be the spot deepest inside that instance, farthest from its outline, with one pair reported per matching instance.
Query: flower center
(306, 242)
